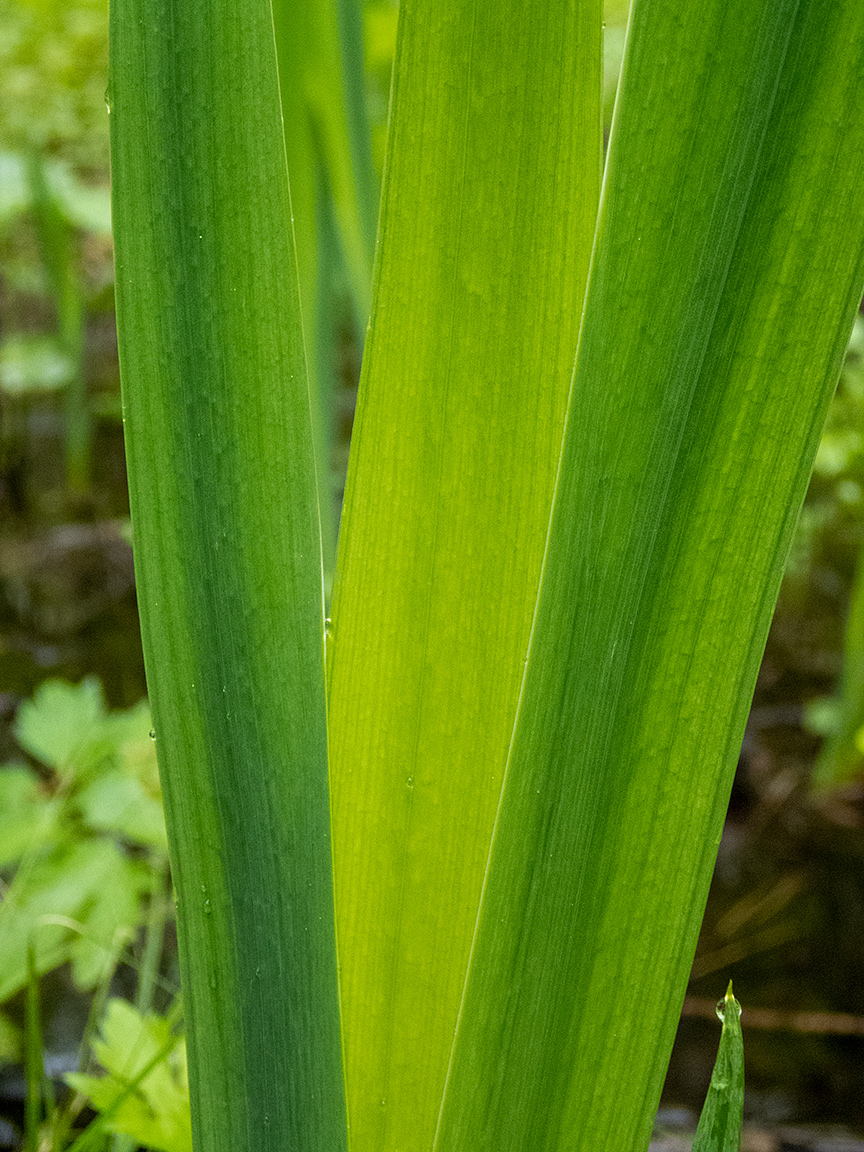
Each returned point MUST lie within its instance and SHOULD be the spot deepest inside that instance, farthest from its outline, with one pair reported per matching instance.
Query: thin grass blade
(320, 50)
(840, 757)
(57, 242)
(34, 1064)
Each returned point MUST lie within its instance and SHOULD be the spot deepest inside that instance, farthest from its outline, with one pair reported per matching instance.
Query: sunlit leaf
(69, 903)
(62, 726)
(117, 803)
(27, 814)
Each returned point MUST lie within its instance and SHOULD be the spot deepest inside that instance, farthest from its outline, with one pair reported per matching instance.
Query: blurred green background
(78, 791)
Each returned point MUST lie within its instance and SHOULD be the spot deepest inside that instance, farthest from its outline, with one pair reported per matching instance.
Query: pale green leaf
(85, 888)
(86, 206)
(63, 726)
(156, 1114)
(108, 919)
(33, 363)
(27, 814)
(488, 212)
(14, 188)
(118, 804)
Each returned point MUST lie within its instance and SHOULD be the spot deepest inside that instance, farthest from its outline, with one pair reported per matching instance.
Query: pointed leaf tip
(720, 1123)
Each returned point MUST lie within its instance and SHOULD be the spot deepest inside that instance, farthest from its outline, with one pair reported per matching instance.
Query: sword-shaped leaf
(488, 212)
(728, 266)
(228, 561)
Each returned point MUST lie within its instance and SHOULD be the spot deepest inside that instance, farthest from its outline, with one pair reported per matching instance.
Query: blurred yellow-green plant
(53, 60)
(837, 499)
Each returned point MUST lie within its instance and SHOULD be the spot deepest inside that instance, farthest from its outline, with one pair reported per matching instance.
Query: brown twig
(778, 1020)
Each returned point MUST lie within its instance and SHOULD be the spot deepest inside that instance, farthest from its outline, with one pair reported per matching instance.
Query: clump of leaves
(145, 1092)
(81, 835)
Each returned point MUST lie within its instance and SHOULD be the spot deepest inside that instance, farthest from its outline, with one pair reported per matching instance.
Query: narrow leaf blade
(491, 187)
(228, 561)
(728, 267)
(719, 1127)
